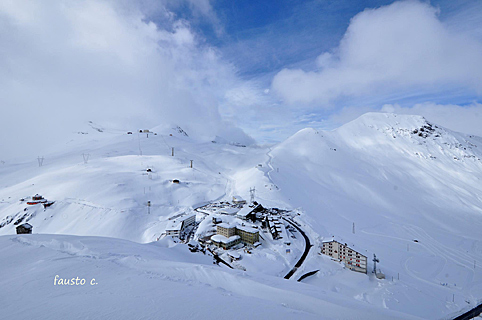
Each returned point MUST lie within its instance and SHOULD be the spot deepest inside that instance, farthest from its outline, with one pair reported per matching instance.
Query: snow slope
(107, 196)
(396, 186)
(126, 280)
(397, 178)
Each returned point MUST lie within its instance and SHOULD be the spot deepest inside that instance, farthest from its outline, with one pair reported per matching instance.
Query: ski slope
(397, 178)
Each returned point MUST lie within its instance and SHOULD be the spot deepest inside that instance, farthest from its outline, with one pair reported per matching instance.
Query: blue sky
(270, 68)
(261, 38)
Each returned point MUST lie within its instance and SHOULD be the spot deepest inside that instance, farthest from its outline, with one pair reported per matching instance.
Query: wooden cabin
(25, 228)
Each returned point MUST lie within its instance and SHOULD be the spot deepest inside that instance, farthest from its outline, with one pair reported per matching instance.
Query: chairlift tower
(252, 192)
(86, 157)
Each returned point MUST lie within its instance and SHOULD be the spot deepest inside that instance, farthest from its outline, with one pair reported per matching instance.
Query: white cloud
(204, 8)
(402, 46)
(67, 62)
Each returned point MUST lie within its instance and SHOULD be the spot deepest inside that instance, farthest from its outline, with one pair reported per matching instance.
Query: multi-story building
(353, 260)
(231, 235)
(188, 220)
(247, 234)
(226, 230)
(177, 226)
(225, 243)
(274, 226)
(174, 228)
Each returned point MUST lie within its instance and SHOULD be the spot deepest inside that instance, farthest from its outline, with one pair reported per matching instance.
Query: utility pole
(148, 207)
(40, 161)
(139, 140)
(375, 260)
(353, 228)
(191, 163)
(172, 152)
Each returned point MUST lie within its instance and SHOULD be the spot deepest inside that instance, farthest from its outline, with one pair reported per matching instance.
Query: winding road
(305, 253)
(471, 313)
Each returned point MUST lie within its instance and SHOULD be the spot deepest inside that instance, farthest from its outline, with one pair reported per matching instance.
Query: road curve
(306, 275)
(471, 313)
(305, 253)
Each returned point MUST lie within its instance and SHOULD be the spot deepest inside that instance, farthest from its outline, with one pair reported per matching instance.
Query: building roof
(184, 218)
(174, 225)
(193, 243)
(223, 239)
(333, 240)
(247, 229)
(244, 211)
(225, 225)
(26, 226)
(234, 254)
(229, 210)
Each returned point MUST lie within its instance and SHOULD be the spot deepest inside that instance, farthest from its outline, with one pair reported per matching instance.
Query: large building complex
(230, 235)
(353, 260)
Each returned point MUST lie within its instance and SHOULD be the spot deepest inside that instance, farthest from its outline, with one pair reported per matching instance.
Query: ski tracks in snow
(271, 169)
(438, 250)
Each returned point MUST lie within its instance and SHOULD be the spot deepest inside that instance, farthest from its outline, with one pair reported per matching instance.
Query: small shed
(37, 197)
(238, 200)
(228, 210)
(234, 255)
(25, 228)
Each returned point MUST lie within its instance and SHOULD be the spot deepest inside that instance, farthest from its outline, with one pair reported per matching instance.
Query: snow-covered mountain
(398, 186)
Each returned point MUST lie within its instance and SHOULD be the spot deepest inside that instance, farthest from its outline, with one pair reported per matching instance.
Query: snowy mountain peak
(388, 136)
(385, 121)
